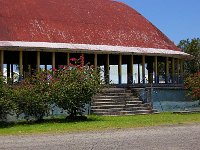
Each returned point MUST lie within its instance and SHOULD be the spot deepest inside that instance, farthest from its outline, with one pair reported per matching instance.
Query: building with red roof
(106, 32)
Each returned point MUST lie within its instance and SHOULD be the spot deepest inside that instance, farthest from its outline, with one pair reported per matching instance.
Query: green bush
(69, 88)
(32, 97)
(6, 105)
(73, 86)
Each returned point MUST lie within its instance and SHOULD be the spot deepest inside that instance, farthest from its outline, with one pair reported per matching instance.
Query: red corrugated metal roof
(98, 22)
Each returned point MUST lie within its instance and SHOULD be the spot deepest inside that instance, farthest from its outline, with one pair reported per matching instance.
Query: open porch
(120, 69)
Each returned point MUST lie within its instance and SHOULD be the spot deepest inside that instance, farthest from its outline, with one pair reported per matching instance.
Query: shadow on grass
(50, 120)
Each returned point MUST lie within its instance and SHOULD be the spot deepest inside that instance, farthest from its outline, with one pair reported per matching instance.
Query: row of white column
(107, 66)
(155, 69)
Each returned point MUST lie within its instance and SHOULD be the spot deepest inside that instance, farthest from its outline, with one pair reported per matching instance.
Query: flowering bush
(192, 83)
(73, 86)
(69, 87)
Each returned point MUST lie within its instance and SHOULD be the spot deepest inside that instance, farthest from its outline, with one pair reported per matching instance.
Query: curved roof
(93, 22)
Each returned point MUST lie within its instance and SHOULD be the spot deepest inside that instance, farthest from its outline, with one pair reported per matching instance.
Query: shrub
(73, 86)
(70, 88)
(32, 97)
(6, 105)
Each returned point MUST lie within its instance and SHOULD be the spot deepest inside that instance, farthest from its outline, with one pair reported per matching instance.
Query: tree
(191, 47)
(192, 67)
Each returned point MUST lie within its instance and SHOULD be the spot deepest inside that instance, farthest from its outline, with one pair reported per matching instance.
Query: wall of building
(54, 112)
(169, 99)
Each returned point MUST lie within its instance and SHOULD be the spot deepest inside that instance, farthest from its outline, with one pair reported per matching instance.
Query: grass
(97, 123)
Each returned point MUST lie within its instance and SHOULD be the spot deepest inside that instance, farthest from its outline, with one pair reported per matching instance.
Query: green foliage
(192, 83)
(74, 85)
(6, 105)
(32, 97)
(192, 67)
(192, 47)
(70, 88)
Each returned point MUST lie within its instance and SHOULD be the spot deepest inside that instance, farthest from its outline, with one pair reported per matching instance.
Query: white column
(173, 70)
(139, 80)
(95, 61)
(20, 65)
(53, 60)
(130, 70)
(167, 70)
(143, 69)
(156, 69)
(1, 61)
(38, 61)
(68, 57)
(120, 69)
(107, 70)
(178, 71)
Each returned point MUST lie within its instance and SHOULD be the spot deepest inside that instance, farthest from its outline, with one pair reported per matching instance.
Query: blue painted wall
(169, 99)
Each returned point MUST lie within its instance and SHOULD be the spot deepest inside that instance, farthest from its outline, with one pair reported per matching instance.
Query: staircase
(118, 101)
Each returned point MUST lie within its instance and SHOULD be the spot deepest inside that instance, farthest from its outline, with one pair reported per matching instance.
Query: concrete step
(105, 96)
(117, 94)
(132, 105)
(125, 103)
(96, 110)
(115, 97)
(108, 113)
(118, 107)
(107, 106)
(114, 114)
(119, 101)
(108, 99)
(122, 113)
(107, 102)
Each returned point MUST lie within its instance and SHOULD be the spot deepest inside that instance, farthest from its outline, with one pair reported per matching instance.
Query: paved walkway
(183, 137)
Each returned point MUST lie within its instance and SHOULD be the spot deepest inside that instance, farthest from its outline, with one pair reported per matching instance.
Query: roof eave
(47, 46)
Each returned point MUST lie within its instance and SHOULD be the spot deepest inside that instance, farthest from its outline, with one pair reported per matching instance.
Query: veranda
(117, 67)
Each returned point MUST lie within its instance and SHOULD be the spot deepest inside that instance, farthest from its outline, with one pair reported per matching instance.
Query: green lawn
(95, 123)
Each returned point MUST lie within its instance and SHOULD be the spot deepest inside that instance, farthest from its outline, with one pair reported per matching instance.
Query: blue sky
(178, 19)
